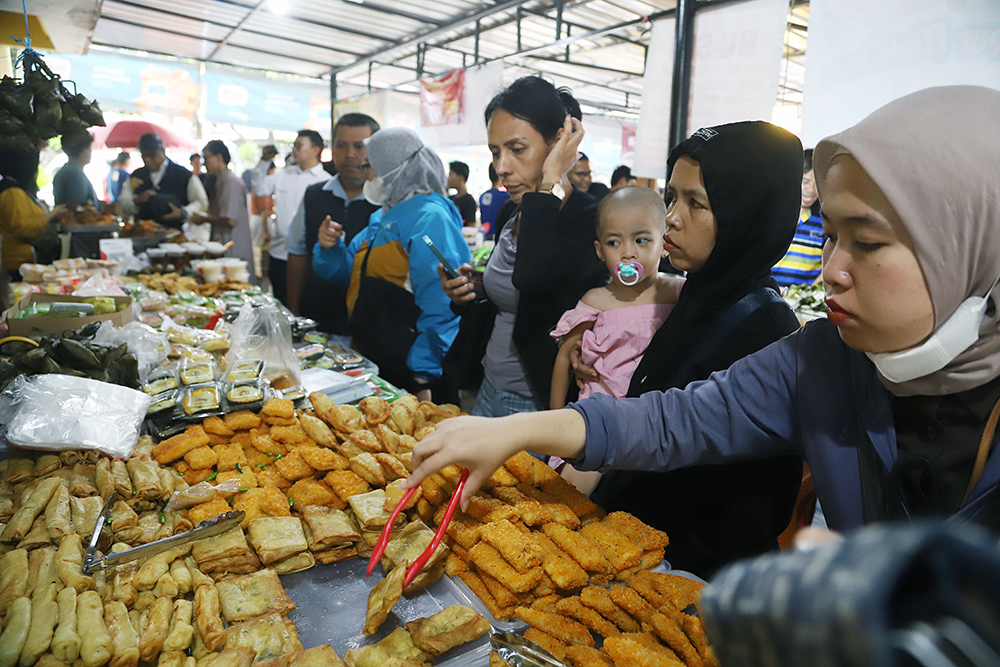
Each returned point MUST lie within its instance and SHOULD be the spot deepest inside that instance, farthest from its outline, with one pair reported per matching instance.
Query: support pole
(333, 106)
(680, 91)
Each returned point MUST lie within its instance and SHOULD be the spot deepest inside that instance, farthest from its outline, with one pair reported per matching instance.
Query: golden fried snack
(396, 650)
(547, 642)
(346, 483)
(280, 421)
(124, 638)
(157, 628)
(252, 595)
(564, 629)
(41, 569)
(695, 631)
(454, 565)
(240, 656)
(620, 551)
(640, 649)
(318, 656)
(489, 560)
(580, 549)
(181, 631)
(274, 538)
(270, 476)
(665, 628)
(265, 444)
(279, 407)
(82, 483)
(322, 458)
(392, 467)
(318, 431)
(383, 598)
(587, 656)
(517, 549)
(174, 448)
(476, 585)
(13, 577)
(58, 520)
(501, 478)
(681, 591)
(646, 537)
(487, 509)
(403, 418)
(31, 506)
(292, 466)
(366, 441)
(565, 572)
(599, 599)
(367, 468)
(241, 420)
(208, 510)
(227, 456)
(553, 510)
(387, 438)
(216, 426)
(393, 494)
(271, 635)
(207, 617)
(289, 434)
(463, 529)
(202, 457)
(66, 641)
(375, 409)
(572, 606)
(503, 595)
(44, 614)
(529, 470)
(564, 492)
(96, 646)
(15, 633)
(69, 564)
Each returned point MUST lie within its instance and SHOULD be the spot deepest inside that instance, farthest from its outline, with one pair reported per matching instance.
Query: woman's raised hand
(562, 156)
(459, 290)
(330, 233)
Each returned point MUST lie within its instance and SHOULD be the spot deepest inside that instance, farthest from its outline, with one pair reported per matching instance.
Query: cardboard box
(60, 324)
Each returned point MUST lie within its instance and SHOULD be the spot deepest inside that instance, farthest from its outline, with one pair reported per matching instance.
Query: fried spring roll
(58, 519)
(85, 512)
(156, 630)
(42, 569)
(15, 631)
(24, 517)
(181, 633)
(82, 484)
(120, 479)
(171, 659)
(103, 479)
(66, 640)
(155, 567)
(208, 617)
(123, 636)
(95, 645)
(181, 575)
(122, 589)
(47, 464)
(13, 578)
(145, 476)
(69, 564)
(44, 614)
(70, 457)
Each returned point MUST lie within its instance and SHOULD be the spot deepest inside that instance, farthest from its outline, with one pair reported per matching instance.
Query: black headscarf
(753, 176)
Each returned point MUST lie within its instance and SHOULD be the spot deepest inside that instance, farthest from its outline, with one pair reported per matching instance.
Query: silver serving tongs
(207, 528)
(522, 652)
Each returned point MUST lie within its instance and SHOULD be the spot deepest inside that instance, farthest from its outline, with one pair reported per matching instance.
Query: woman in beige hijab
(893, 399)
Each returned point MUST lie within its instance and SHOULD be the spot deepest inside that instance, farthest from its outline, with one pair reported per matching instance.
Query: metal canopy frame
(598, 47)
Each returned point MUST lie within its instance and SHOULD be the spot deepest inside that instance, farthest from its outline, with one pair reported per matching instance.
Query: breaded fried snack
(489, 560)
(565, 572)
(599, 599)
(646, 537)
(580, 549)
(562, 628)
(620, 551)
(517, 548)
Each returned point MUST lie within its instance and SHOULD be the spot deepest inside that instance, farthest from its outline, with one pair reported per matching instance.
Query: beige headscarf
(935, 154)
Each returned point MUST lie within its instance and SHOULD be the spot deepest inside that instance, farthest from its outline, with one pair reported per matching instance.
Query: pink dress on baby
(616, 343)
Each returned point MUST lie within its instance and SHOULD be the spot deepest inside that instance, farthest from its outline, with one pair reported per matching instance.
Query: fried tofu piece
(292, 466)
(564, 629)
(209, 510)
(488, 509)
(274, 538)
(579, 548)
(216, 426)
(309, 491)
(263, 443)
(241, 420)
(262, 501)
(572, 606)
(321, 458)
(241, 438)
(599, 599)
(246, 480)
(489, 560)
(269, 476)
(278, 407)
(529, 470)
(252, 595)
(346, 483)
(547, 642)
(450, 627)
(645, 536)
(516, 548)
(620, 551)
(367, 467)
(227, 456)
(553, 510)
(214, 439)
(192, 476)
(565, 572)
(289, 434)
(318, 431)
(174, 448)
(476, 585)
(382, 599)
(665, 628)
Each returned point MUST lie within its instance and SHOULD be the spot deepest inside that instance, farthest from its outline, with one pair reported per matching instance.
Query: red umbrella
(125, 134)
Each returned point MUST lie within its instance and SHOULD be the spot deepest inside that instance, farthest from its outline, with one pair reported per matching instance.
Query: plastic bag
(99, 285)
(202, 492)
(148, 345)
(59, 412)
(264, 333)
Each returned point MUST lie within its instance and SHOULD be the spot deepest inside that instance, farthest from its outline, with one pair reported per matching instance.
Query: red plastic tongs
(418, 564)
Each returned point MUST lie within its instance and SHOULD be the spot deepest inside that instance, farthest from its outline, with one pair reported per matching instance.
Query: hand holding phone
(448, 268)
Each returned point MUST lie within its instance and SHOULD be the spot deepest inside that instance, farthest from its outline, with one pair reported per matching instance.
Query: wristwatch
(552, 189)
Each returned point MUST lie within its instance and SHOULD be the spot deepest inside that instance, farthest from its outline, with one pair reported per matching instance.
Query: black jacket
(555, 265)
(171, 190)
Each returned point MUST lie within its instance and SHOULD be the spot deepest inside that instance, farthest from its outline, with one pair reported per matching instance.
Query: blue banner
(260, 101)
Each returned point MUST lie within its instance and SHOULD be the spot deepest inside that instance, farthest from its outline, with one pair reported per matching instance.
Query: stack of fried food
(225, 285)
(171, 283)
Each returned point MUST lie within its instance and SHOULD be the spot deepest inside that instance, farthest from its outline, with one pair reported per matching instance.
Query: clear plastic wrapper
(263, 332)
(149, 346)
(198, 372)
(164, 402)
(246, 395)
(161, 380)
(245, 371)
(202, 401)
(202, 492)
(59, 412)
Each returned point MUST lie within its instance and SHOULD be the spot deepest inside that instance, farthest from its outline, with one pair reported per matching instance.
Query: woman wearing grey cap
(391, 256)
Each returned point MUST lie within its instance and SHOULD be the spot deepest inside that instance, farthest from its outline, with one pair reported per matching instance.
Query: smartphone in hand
(448, 268)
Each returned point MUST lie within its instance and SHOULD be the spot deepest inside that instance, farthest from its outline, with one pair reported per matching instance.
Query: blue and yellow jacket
(400, 256)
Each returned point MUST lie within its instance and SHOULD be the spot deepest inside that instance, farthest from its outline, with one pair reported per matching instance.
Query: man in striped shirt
(803, 262)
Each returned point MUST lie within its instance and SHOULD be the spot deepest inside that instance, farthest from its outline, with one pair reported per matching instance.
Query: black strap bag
(383, 325)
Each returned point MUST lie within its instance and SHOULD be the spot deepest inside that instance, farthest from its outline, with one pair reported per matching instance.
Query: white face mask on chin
(950, 340)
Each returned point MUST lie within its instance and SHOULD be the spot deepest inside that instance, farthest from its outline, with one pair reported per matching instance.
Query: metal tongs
(418, 564)
(207, 528)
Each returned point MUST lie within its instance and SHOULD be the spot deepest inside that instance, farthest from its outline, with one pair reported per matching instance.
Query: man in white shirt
(288, 186)
(162, 190)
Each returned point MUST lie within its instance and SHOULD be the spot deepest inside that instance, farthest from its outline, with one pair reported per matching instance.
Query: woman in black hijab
(750, 177)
